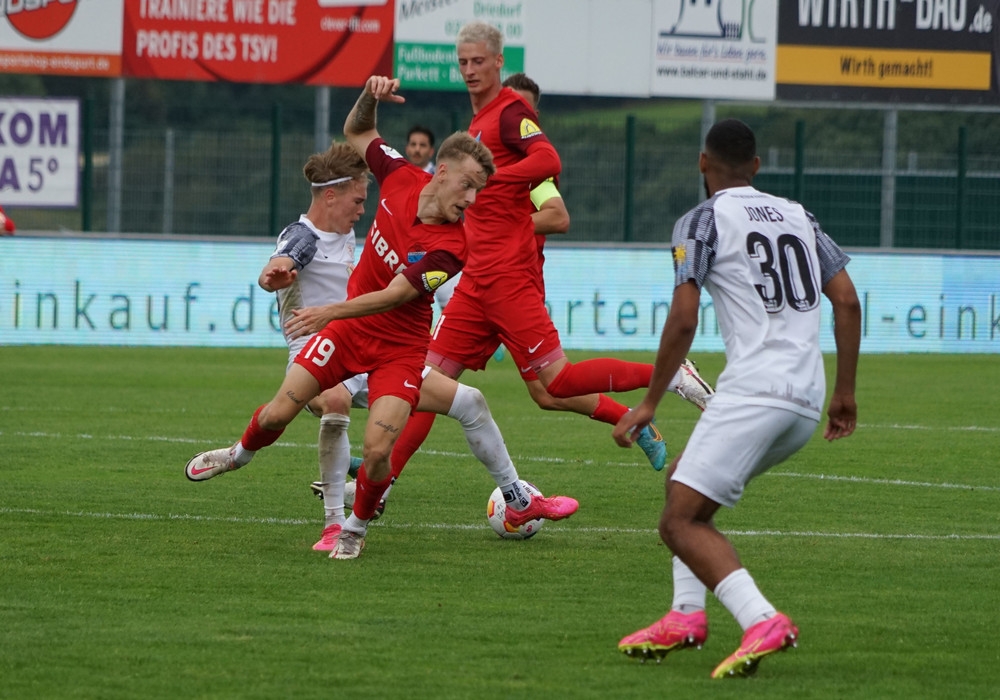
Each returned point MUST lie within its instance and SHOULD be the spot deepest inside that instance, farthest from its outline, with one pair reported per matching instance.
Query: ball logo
(38, 19)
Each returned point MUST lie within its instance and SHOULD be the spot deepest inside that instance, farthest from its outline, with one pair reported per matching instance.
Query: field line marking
(466, 526)
(520, 459)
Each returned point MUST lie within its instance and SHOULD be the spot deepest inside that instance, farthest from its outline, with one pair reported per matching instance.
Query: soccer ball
(496, 509)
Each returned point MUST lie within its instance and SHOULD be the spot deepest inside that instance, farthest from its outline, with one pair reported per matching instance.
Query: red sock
(602, 374)
(608, 410)
(255, 437)
(368, 494)
(409, 441)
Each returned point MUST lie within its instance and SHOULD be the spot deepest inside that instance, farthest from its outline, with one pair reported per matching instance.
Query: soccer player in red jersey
(416, 242)
(500, 297)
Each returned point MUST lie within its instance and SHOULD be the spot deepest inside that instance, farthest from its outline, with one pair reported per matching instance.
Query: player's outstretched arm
(843, 409)
(312, 319)
(359, 128)
(278, 273)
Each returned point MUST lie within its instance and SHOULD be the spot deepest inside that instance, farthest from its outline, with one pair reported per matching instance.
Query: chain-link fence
(627, 174)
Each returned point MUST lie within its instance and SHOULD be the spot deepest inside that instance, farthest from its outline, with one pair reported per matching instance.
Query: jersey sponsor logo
(434, 279)
(529, 129)
(390, 151)
(382, 249)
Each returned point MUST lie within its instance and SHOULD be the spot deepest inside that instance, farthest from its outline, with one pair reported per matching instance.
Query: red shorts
(510, 309)
(393, 369)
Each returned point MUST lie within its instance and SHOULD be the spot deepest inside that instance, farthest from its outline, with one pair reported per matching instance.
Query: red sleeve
(521, 133)
(383, 159)
(432, 270)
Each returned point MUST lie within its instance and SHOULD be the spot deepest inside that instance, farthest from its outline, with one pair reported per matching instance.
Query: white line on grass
(467, 526)
(534, 458)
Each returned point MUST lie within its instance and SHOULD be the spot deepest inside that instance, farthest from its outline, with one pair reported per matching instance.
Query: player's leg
(467, 405)
(333, 406)
(712, 473)
(266, 426)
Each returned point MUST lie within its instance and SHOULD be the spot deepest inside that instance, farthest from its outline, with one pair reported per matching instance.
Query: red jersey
(501, 233)
(398, 243)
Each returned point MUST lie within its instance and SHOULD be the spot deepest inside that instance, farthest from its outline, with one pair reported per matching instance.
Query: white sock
(334, 460)
(689, 591)
(675, 382)
(241, 455)
(356, 524)
(483, 435)
(739, 594)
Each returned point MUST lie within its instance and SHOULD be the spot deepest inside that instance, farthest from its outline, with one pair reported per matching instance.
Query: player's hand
(279, 278)
(626, 432)
(310, 319)
(843, 414)
(384, 89)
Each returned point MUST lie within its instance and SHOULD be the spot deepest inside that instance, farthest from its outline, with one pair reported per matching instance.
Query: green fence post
(275, 164)
(629, 175)
(960, 185)
(87, 177)
(799, 186)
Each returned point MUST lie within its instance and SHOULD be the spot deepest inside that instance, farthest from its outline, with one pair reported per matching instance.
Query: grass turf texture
(121, 579)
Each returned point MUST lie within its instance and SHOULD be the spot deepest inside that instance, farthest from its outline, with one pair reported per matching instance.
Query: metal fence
(625, 178)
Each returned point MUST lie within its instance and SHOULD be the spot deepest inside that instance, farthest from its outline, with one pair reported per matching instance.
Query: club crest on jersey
(529, 129)
(434, 279)
(680, 257)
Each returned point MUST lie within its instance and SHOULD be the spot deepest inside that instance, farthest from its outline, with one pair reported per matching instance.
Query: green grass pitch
(121, 579)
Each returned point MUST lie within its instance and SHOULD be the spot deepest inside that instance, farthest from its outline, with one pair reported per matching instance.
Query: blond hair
(461, 144)
(478, 32)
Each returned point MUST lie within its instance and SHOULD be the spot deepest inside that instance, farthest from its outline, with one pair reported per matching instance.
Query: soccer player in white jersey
(764, 260)
(310, 267)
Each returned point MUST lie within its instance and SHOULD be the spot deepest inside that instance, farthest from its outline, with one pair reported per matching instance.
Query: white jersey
(324, 261)
(764, 260)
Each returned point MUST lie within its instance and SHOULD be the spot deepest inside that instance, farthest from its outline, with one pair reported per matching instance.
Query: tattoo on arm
(291, 395)
(363, 115)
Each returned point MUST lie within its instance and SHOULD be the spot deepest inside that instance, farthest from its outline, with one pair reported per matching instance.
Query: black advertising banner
(905, 51)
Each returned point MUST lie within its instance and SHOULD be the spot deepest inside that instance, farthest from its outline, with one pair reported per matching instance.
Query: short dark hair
(519, 81)
(732, 142)
(420, 129)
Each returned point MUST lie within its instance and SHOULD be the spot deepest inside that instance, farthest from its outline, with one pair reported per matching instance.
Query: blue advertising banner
(204, 293)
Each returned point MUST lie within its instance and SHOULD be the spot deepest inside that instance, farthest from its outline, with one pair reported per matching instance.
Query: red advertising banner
(317, 42)
(61, 37)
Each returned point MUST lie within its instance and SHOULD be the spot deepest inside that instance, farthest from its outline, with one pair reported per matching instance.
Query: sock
(414, 433)
(602, 374)
(366, 498)
(689, 591)
(334, 460)
(483, 435)
(255, 438)
(515, 496)
(739, 594)
(608, 410)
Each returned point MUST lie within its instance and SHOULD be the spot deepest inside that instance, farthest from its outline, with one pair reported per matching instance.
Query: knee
(671, 529)
(272, 418)
(469, 407)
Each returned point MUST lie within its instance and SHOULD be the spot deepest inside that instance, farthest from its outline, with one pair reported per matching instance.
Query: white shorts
(357, 385)
(734, 442)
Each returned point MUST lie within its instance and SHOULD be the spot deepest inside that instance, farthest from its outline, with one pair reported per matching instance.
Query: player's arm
(675, 342)
(424, 277)
(359, 128)
(277, 274)
(843, 409)
(551, 215)
(540, 163)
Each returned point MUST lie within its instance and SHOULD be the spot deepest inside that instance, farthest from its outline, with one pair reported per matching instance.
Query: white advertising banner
(39, 152)
(188, 293)
(721, 49)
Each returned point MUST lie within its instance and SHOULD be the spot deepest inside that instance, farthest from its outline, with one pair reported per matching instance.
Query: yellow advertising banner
(883, 68)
